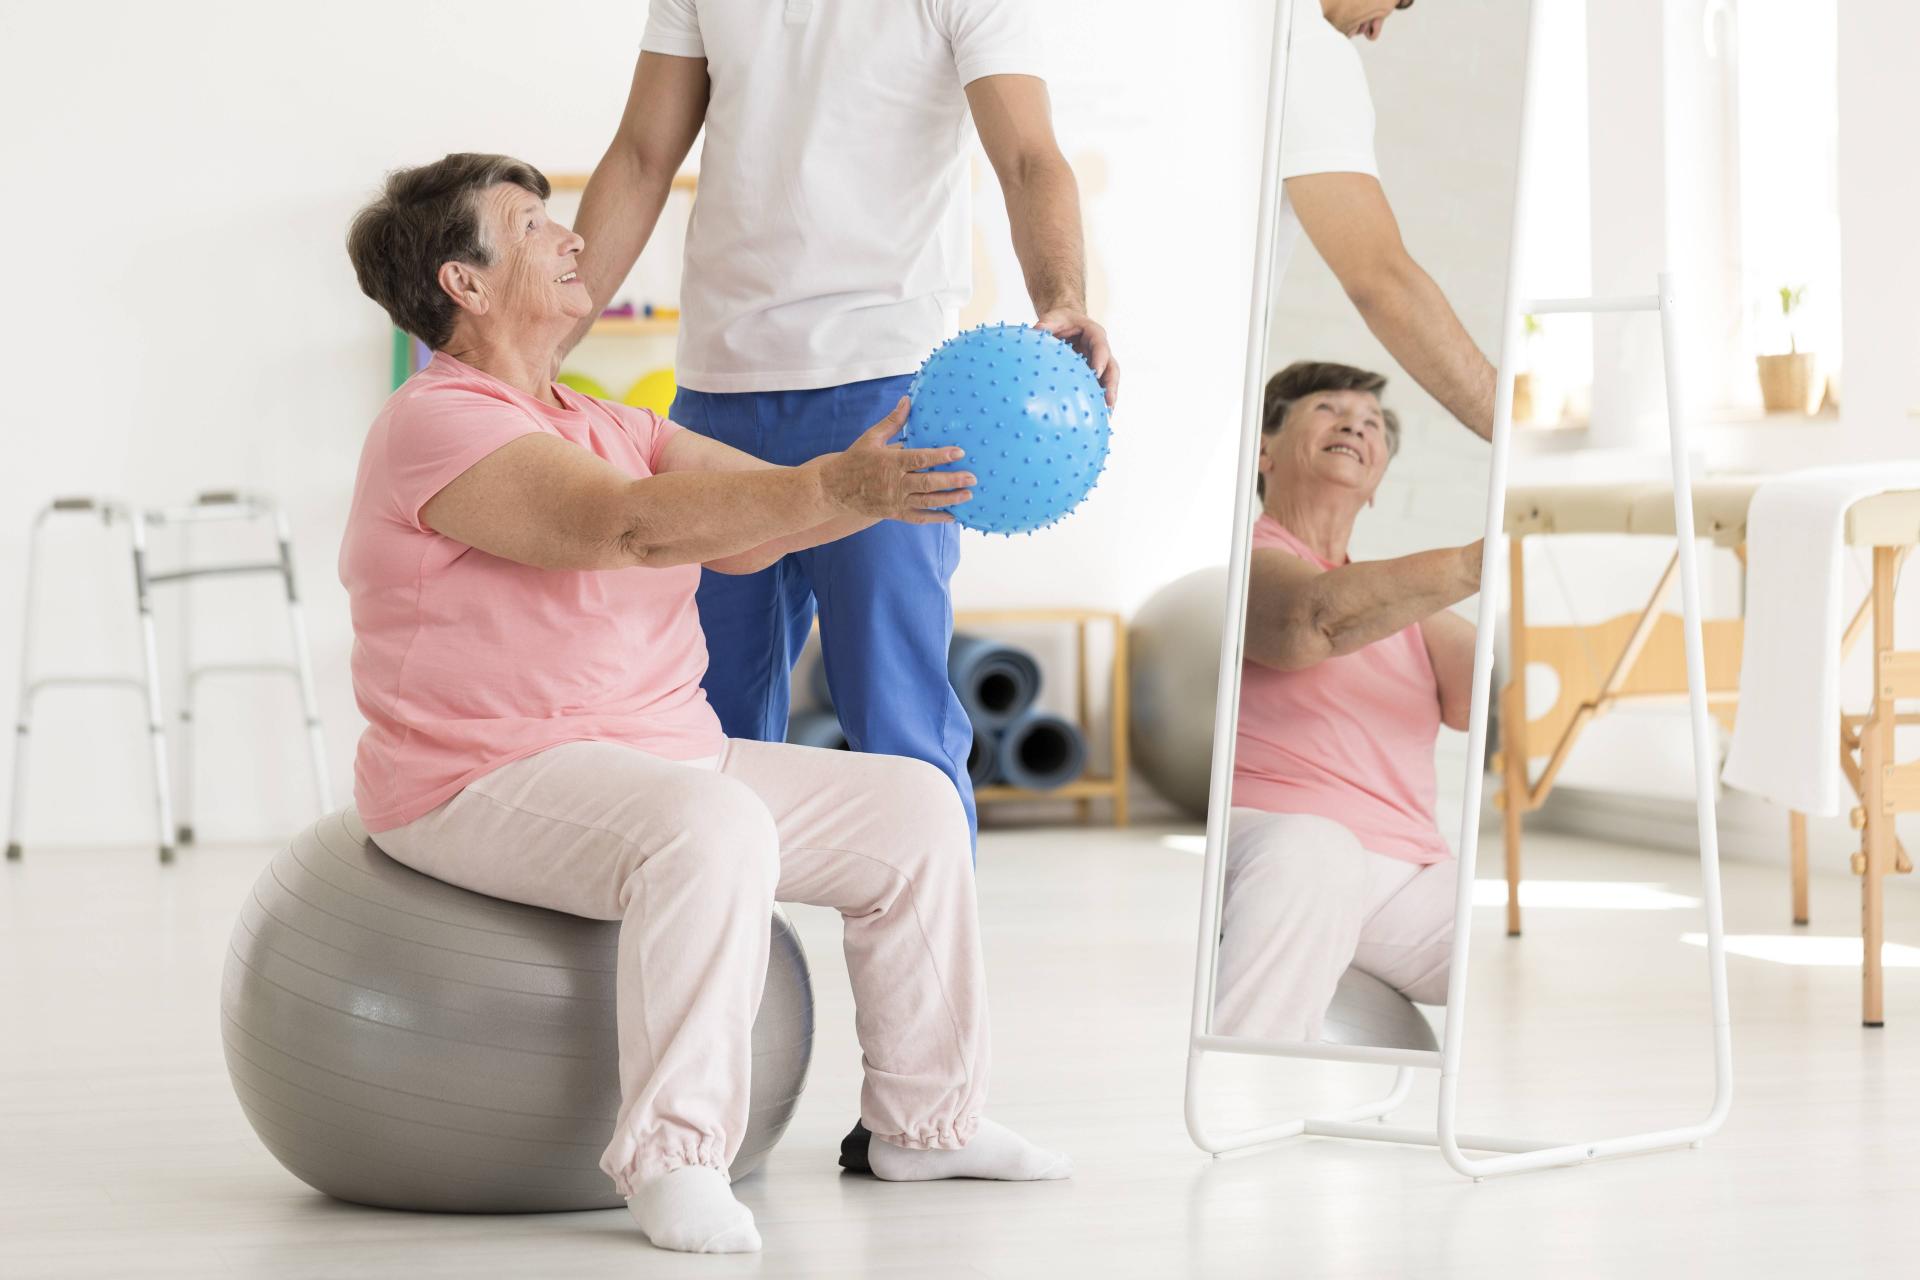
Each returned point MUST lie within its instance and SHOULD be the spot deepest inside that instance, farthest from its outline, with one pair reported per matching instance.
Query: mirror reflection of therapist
(1332, 192)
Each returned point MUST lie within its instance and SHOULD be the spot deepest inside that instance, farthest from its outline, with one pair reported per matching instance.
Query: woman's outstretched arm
(1298, 614)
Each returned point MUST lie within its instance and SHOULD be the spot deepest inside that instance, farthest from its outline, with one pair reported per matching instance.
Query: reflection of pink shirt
(1349, 738)
(462, 661)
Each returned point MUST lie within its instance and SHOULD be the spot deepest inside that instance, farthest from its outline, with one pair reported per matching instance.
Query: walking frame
(208, 507)
(1366, 1120)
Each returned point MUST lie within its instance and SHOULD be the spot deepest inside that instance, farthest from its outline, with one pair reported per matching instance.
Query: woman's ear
(464, 285)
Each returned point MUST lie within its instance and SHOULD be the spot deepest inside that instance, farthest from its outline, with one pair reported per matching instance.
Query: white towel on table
(1786, 733)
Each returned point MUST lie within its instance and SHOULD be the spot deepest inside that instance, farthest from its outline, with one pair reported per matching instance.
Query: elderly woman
(521, 561)
(1334, 858)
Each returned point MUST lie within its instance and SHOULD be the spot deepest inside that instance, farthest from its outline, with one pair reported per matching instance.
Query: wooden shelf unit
(634, 326)
(578, 181)
(1083, 791)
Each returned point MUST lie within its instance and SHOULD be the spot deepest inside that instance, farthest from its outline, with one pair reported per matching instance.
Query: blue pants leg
(886, 618)
(755, 623)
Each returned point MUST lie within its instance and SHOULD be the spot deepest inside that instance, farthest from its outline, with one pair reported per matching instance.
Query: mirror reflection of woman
(1334, 858)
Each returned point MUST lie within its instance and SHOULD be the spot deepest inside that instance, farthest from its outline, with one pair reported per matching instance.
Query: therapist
(828, 253)
(1332, 191)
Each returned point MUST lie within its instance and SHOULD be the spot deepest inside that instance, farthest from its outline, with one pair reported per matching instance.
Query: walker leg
(303, 663)
(183, 828)
(183, 824)
(17, 804)
(156, 722)
(1797, 838)
(16, 813)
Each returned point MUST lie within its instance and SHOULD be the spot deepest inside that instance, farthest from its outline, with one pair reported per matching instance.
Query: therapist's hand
(1085, 335)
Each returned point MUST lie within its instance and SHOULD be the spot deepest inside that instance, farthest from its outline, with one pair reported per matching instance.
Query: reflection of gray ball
(400, 1042)
(1175, 658)
(1366, 1010)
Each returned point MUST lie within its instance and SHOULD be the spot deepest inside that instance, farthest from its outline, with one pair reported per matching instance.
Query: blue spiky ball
(1030, 415)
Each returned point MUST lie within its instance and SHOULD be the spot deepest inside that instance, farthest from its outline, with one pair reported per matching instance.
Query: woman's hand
(877, 480)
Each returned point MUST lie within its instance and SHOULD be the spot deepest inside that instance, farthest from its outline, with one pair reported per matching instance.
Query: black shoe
(853, 1149)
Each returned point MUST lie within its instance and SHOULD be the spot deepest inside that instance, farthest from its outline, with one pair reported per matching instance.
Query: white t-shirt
(829, 240)
(1326, 125)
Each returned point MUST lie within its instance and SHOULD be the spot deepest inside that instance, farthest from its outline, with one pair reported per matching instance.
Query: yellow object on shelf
(653, 391)
(637, 324)
(583, 384)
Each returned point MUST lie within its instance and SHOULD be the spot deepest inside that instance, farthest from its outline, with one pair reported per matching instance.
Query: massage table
(1639, 658)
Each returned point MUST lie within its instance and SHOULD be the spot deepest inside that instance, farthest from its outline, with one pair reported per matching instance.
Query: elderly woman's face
(1329, 438)
(533, 274)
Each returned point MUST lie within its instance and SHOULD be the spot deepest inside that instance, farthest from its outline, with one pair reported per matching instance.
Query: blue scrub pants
(886, 618)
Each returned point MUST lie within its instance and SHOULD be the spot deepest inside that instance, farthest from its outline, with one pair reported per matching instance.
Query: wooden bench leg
(1876, 741)
(1513, 725)
(1797, 839)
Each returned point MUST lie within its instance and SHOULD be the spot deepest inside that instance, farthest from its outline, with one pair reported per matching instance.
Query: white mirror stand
(1366, 1120)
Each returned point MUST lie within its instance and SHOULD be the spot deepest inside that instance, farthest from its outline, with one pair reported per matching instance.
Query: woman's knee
(720, 829)
(1299, 853)
(920, 809)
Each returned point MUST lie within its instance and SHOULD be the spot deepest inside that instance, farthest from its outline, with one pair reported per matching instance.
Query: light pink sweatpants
(690, 859)
(1304, 901)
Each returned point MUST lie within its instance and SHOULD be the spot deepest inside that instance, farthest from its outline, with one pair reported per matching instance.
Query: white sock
(995, 1151)
(692, 1210)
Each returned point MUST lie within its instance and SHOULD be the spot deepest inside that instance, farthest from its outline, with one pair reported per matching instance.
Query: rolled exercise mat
(983, 758)
(816, 729)
(995, 681)
(817, 684)
(1040, 752)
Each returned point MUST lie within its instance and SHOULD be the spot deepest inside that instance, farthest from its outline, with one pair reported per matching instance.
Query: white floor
(123, 1153)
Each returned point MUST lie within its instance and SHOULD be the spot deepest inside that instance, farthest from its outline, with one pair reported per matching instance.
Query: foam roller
(1040, 752)
(816, 729)
(996, 682)
(983, 758)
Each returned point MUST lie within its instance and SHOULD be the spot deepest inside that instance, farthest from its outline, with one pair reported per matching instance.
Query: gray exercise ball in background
(1366, 1010)
(399, 1042)
(1174, 641)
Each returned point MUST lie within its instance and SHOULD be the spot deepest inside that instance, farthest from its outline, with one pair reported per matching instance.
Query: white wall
(182, 315)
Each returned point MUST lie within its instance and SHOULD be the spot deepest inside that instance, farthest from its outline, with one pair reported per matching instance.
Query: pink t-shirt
(1349, 738)
(462, 661)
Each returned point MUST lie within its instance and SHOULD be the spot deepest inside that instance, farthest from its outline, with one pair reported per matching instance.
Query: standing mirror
(1356, 649)
(1361, 546)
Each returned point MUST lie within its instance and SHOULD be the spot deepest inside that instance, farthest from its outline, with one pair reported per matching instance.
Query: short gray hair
(424, 217)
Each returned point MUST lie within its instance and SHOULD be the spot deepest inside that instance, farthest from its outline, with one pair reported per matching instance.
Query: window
(1557, 258)
(1783, 63)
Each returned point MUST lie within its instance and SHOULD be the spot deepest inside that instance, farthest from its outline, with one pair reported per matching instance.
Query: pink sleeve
(650, 431)
(438, 435)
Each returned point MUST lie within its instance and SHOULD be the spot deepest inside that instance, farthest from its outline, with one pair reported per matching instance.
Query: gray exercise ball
(1174, 641)
(399, 1042)
(1366, 1010)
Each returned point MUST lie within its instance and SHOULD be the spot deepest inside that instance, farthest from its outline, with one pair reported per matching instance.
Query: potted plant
(1534, 401)
(1790, 383)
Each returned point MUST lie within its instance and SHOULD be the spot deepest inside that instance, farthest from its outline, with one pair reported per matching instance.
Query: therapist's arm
(1015, 122)
(1299, 615)
(666, 106)
(1347, 217)
(1450, 639)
